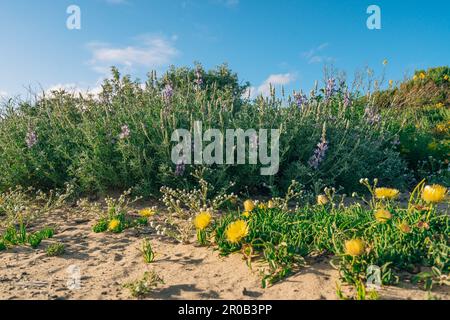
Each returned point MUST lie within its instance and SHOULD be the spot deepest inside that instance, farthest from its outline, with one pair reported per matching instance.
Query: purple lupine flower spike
(167, 92)
(31, 139)
(319, 153)
(125, 132)
(330, 89)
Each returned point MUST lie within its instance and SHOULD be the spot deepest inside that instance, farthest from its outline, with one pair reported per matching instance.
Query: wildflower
(202, 220)
(391, 83)
(404, 227)
(434, 193)
(31, 139)
(330, 88)
(198, 78)
(167, 93)
(300, 99)
(320, 152)
(347, 99)
(354, 247)
(439, 105)
(415, 77)
(386, 193)
(262, 206)
(246, 214)
(372, 116)
(114, 225)
(125, 132)
(270, 204)
(422, 75)
(147, 213)
(236, 231)
(383, 215)
(423, 225)
(446, 77)
(249, 205)
(180, 168)
(432, 146)
(322, 200)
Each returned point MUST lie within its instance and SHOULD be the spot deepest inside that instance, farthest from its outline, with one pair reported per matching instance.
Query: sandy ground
(107, 261)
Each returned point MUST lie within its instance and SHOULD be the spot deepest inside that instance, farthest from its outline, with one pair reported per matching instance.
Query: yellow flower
(383, 215)
(262, 206)
(246, 214)
(236, 231)
(386, 193)
(322, 200)
(147, 213)
(202, 220)
(249, 205)
(114, 225)
(415, 77)
(439, 105)
(434, 193)
(404, 227)
(442, 128)
(354, 247)
(422, 75)
(446, 77)
(391, 83)
(432, 146)
(270, 204)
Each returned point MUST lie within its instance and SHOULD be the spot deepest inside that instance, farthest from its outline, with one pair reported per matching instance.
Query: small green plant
(100, 226)
(56, 249)
(2, 245)
(147, 251)
(34, 240)
(142, 287)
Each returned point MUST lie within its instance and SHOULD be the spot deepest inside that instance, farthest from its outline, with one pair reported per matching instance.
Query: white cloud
(152, 52)
(74, 88)
(316, 55)
(273, 80)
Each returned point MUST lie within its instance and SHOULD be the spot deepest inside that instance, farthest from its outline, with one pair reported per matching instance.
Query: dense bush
(121, 138)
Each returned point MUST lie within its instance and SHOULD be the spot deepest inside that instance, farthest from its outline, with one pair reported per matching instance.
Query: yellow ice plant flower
(236, 231)
(434, 193)
(404, 227)
(270, 204)
(262, 206)
(147, 213)
(322, 200)
(354, 247)
(386, 193)
(432, 146)
(383, 215)
(422, 75)
(202, 220)
(442, 128)
(114, 225)
(249, 205)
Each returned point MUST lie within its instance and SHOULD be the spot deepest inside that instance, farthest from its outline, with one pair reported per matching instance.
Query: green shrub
(56, 249)
(65, 137)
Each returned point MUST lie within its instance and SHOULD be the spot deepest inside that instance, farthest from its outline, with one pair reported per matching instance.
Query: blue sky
(285, 41)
